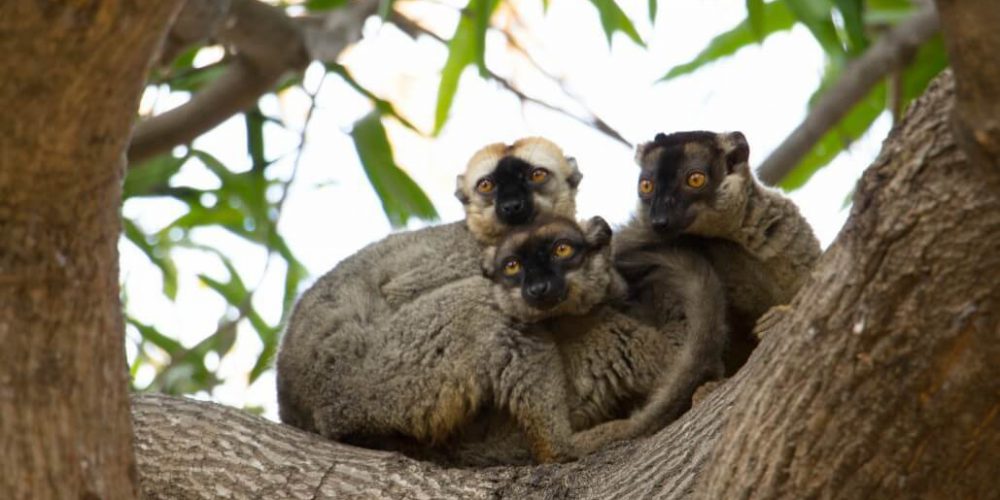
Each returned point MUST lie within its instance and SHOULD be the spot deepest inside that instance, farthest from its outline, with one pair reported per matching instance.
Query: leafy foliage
(858, 21)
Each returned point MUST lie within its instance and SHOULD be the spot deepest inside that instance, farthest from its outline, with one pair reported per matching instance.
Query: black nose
(511, 208)
(538, 289)
(660, 223)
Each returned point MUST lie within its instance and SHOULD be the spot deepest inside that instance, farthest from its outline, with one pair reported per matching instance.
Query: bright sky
(331, 211)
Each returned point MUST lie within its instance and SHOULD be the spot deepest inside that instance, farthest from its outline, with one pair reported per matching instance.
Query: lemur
(696, 191)
(396, 286)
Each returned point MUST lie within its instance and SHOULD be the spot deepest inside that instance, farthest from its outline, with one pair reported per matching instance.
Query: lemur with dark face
(613, 376)
(696, 190)
(471, 346)
(381, 301)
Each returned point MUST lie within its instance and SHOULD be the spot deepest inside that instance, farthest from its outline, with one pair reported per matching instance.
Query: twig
(267, 45)
(894, 50)
(413, 29)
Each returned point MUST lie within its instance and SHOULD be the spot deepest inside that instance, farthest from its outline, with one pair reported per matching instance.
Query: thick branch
(267, 46)
(972, 29)
(879, 382)
(893, 51)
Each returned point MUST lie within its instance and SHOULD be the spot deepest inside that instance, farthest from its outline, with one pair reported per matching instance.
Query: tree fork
(879, 381)
(72, 76)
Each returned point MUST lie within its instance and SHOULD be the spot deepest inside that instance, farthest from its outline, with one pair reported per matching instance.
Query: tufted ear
(487, 260)
(460, 190)
(574, 177)
(736, 149)
(597, 232)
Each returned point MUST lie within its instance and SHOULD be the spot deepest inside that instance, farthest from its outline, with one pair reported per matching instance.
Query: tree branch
(267, 45)
(894, 50)
(973, 41)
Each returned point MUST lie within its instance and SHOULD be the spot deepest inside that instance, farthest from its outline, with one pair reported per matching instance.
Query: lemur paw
(770, 319)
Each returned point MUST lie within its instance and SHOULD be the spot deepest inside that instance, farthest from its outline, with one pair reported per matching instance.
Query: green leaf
(151, 177)
(852, 11)
(384, 8)
(400, 196)
(255, 137)
(482, 11)
(194, 79)
(264, 360)
(234, 290)
(150, 334)
(931, 59)
(852, 126)
(461, 53)
(776, 18)
(385, 107)
(614, 19)
(318, 5)
(186, 59)
(158, 254)
(816, 15)
(652, 11)
(755, 17)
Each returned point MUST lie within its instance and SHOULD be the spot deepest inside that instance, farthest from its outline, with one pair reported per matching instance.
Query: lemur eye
(485, 186)
(563, 250)
(511, 267)
(645, 186)
(696, 179)
(539, 175)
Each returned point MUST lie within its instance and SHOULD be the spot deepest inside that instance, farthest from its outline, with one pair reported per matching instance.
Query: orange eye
(485, 186)
(563, 250)
(645, 186)
(539, 175)
(511, 267)
(696, 179)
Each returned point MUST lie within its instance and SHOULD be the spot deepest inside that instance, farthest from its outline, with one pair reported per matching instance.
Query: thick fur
(625, 377)
(754, 237)
(556, 197)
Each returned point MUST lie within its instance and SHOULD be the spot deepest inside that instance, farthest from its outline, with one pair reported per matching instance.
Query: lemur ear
(460, 190)
(597, 232)
(488, 256)
(737, 151)
(574, 177)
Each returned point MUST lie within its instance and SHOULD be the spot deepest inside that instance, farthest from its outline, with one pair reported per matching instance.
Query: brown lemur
(386, 320)
(470, 346)
(696, 191)
(368, 351)
(624, 377)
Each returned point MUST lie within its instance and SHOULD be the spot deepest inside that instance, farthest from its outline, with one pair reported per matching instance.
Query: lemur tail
(692, 278)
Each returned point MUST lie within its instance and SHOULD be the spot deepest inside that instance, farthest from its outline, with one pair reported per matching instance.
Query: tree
(879, 380)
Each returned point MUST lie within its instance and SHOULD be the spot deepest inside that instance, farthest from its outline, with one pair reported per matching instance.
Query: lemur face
(553, 267)
(506, 186)
(681, 175)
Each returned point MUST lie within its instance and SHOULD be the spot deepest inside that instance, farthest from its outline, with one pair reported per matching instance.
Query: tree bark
(881, 380)
(973, 41)
(72, 76)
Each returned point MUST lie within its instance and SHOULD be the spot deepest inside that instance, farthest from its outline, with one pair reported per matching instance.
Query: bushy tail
(693, 280)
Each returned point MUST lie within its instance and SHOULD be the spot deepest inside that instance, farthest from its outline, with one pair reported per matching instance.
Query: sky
(331, 210)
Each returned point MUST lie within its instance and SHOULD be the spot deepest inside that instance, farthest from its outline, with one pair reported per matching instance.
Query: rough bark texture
(880, 381)
(71, 77)
(973, 41)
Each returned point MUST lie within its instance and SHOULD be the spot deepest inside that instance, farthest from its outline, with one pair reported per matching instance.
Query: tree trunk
(72, 73)
(881, 380)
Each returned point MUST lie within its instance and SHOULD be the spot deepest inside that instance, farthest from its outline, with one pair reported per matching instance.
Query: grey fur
(754, 237)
